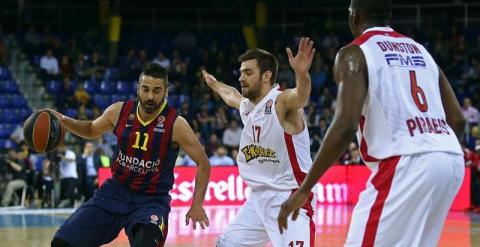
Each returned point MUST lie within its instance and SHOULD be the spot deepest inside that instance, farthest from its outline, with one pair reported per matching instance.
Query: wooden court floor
(24, 228)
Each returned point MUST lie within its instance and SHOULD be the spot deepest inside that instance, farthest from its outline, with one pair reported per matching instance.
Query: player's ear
(267, 75)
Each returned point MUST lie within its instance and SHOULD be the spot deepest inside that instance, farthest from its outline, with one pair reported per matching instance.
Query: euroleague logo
(268, 107)
(131, 117)
(159, 127)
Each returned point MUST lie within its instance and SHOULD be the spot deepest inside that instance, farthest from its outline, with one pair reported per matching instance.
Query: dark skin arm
(453, 111)
(350, 73)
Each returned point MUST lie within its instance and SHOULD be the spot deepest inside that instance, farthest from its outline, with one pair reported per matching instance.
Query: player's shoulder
(350, 53)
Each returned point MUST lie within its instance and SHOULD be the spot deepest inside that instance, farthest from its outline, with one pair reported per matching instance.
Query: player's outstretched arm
(453, 111)
(297, 98)
(350, 73)
(92, 129)
(188, 141)
(229, 94)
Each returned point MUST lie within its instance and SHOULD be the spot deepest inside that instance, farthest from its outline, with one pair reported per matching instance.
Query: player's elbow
(345, 129)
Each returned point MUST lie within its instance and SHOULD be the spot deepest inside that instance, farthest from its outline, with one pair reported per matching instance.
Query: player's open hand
(292, 204)
(197, 214)
(209, 79)
(303, 60)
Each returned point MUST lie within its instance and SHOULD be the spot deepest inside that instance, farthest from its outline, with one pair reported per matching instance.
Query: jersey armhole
(118, 119)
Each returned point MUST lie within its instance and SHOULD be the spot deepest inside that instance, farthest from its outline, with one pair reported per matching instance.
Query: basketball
(43, 131)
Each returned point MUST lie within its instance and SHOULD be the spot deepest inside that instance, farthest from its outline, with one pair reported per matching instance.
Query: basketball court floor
(25, 228)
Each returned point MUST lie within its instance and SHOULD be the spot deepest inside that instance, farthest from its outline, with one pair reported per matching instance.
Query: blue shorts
(113, 207)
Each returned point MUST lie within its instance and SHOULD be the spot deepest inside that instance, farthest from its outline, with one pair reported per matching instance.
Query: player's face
(152, 93)
(250, 79)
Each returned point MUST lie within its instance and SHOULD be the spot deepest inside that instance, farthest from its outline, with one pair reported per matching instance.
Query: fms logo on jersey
(268, 107)
(263, 155)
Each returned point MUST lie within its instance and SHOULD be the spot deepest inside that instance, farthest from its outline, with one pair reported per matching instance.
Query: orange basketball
(43, 131)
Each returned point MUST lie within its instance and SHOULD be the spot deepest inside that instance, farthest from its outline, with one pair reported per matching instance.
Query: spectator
(89, 164)
(470, 112)
(81, 96)
(231, 136)
(220, 158)
(82, 69)
(47, 183)
(162, 60)
(66, 67)
(49, 66)
(18, 169)
(17, 134)
(68, 177)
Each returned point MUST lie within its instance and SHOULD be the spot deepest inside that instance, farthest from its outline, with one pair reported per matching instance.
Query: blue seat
(4, 101)
(119, 97)
(24, 113)
(134, 87)
(70, 112)
(123, 87)
(6, 130)
(90, 86)
(8, 86)
(111, 74)
(5, 73)
(107, 87)
(9, 115)
(101, 101)
(19, 101)
(7, 144)
(54, 87)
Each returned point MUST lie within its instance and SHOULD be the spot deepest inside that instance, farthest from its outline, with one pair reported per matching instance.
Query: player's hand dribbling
(292, 204)
(301, 62)
(197, 214)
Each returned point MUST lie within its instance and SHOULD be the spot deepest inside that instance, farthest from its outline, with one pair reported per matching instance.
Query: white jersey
(403, 112)
(270, 158)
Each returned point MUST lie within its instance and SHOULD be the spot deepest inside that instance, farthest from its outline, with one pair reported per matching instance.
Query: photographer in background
(88, 167)
(18, 170)
(68, 177)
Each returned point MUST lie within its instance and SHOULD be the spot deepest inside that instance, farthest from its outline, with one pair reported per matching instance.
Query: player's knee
(58, 242)
(147, 236)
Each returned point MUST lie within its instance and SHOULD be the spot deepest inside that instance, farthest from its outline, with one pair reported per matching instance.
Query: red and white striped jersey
(270, 158)
(403, 112)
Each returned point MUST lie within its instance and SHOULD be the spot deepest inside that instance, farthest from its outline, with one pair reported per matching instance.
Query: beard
(150, 106)
(252, 92)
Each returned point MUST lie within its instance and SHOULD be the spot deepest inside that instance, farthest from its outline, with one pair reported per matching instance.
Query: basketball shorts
(256, 223)
(112, 208)
(406, 200)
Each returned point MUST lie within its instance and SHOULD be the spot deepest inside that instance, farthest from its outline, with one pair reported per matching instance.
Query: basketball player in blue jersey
(409, 126)
(136, 198)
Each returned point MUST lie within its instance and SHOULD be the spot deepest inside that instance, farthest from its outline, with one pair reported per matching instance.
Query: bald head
(374, 9)
(367, 13)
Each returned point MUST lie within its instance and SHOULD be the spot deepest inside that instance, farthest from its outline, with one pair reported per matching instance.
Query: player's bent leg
(147, 236)
(58, 242)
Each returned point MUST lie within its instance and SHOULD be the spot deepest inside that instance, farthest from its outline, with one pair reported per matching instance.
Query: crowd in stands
(76, 73)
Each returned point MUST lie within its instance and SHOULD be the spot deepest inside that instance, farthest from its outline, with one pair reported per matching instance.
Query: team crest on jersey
(154, 219)
(161, 119)
(131, 117)
(268, 107)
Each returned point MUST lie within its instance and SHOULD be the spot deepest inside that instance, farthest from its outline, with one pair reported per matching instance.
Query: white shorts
(406, 200)
(256, 223)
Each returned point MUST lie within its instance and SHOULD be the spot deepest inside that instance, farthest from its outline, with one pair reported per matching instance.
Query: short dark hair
(156, 71)
(375, 10)
(266, 61)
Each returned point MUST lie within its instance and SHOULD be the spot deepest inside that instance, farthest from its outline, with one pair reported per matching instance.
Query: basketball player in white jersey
(274, 154)
(409, 123)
